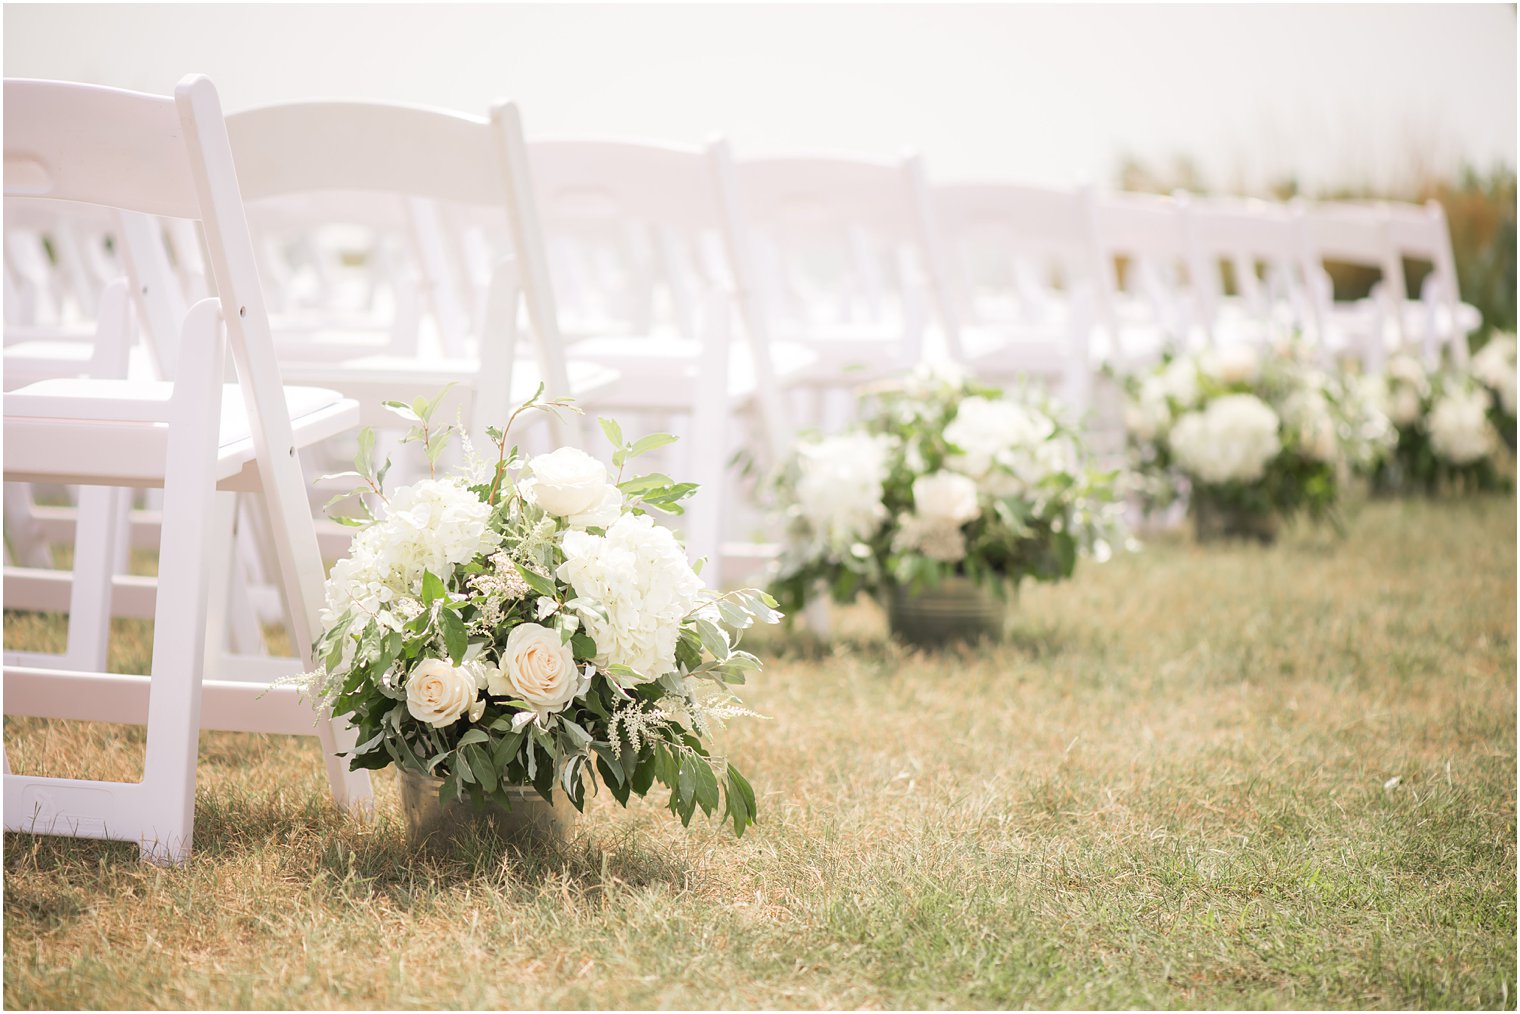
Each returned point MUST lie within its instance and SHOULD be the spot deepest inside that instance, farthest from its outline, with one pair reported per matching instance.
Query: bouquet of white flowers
(1249, 436)
(1451, 424)
(524, 622)
(1494, 367)
(940, 478)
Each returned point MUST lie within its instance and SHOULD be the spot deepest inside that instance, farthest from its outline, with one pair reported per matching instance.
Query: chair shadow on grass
(1027, 638)
(315, 842)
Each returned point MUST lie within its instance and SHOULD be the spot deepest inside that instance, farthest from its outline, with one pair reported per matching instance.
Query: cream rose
(538, 667)
(437, 693)
(1235, 364)
(946, 497)
(567, 481)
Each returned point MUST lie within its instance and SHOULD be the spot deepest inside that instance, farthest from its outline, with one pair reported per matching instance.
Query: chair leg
(100, 538)
(179, 617)
(350, 789)
(24, 541)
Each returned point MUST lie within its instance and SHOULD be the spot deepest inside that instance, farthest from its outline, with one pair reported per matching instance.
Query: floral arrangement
(1451, 424)
(1249, 435)
(1494, 367)
(524, 622)
(940, 477)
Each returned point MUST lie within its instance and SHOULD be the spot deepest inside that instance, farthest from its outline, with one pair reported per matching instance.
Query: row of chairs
(381, 252)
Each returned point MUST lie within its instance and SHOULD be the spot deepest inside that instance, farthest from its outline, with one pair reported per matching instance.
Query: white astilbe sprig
(640, 724)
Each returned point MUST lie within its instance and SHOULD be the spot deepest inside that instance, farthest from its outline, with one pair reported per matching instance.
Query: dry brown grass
(1169, 792)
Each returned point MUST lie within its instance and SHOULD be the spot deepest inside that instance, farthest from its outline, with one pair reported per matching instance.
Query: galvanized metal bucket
(1213, 522)
(958, 611)
(528, 821)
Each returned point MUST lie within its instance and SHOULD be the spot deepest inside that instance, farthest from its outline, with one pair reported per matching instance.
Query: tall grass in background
(1480, 208)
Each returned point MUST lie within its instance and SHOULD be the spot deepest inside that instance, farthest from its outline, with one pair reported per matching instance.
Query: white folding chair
(652, 230)
(1147, 308)
(1359, 235)
(414, 173)
(1257, 243)
(1438, 321)
(192, 437)
(839, 265)
(1016, 272)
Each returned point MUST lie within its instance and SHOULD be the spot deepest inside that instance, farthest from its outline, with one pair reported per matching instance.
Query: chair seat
(116, 430)
(656, 370)
(1039, 345)
(373, 380)
(323, 342)
(29, 362)
(858, 351)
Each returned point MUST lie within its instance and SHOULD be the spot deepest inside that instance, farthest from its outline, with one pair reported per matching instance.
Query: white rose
(1235, 364)
(566, 482)
(1406, 370)
(1404, 406)
(1148, 416)
(437, 693)
(538, 667)
(1311, 416)
(1179, 381)
(945, 497)
(602, 513)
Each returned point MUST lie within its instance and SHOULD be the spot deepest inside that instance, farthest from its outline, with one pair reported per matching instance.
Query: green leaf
(613, 431)
(402, 409)
(455, 637)
(432, 588)
(707, 787)
(712, 638)
(641, 484)
(686, 781)
(472, 736)
(741, 800)
(643, 445)
(480, 765)
(582, 645)
(536, 581)
(364, 458)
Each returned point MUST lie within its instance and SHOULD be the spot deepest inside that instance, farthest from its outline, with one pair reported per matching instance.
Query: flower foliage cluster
(1263, 433)
(524, 622)
(1453, 424)
(940, 477)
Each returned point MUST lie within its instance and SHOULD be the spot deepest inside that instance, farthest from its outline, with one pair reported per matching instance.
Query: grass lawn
(1202, 777)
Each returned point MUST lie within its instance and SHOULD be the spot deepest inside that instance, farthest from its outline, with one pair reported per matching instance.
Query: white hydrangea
(839, 486)
(1459, 428)
(1148, 415)
(1309, 413)
(1408, 385)
(990, 433)
(1232, 439)
(433, 525)
(633, 588)
(1494, 366)
(1179, 381)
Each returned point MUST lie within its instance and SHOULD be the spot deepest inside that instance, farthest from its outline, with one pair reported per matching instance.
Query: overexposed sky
(1331, 94)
